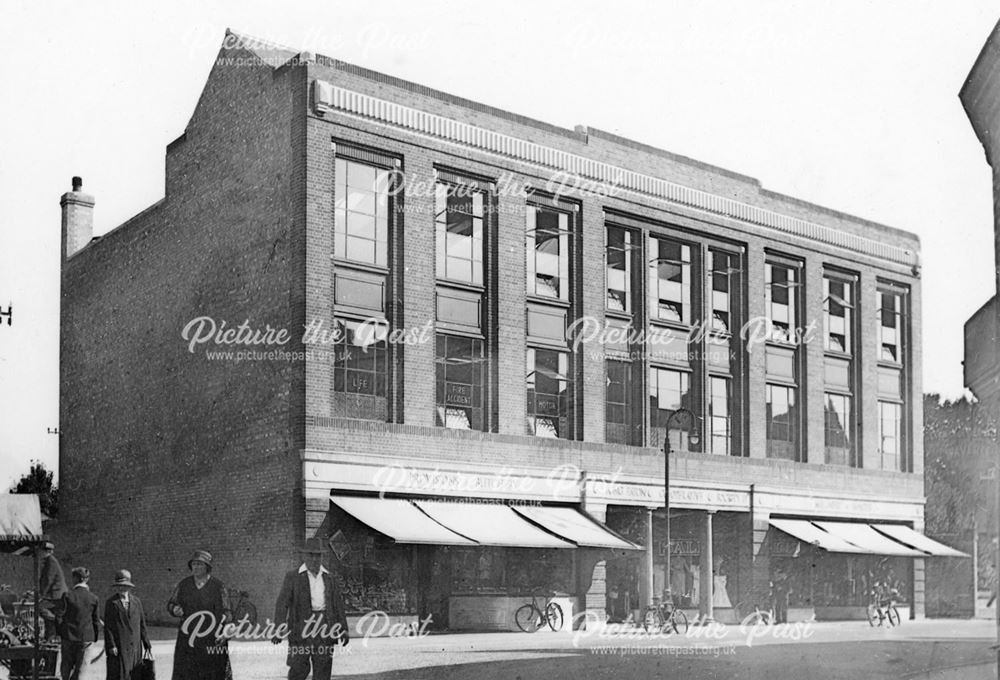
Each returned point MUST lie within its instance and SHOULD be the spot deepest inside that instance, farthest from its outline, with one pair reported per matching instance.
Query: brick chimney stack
(77, 219)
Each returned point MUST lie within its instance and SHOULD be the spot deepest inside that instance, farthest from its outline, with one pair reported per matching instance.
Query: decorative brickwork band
(328, 97)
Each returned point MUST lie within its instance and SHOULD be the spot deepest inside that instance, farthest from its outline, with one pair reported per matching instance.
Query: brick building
(480, 306)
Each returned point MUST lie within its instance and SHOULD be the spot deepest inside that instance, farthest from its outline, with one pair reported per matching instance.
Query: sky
(852, 105)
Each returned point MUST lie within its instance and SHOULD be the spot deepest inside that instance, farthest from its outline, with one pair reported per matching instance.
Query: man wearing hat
(51, 587)
(124, 629)
(80, 623)
(311, 606)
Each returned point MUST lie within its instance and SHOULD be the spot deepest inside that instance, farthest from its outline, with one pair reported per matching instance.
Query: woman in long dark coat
(206, 657)
(124, 629)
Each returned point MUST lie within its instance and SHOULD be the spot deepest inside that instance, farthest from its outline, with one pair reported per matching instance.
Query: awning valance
(399, 519)
(917, 540)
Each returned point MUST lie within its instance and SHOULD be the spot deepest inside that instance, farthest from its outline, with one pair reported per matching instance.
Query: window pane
(361, 213)
(548, 390)
(459, 363)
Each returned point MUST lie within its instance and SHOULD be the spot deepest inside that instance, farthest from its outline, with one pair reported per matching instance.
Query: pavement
(916, 650)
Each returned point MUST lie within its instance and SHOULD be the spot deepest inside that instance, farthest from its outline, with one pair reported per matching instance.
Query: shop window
(361, 213)
(549, 390)
(460, 382)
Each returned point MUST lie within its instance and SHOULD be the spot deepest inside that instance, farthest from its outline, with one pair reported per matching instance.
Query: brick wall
(163, 451)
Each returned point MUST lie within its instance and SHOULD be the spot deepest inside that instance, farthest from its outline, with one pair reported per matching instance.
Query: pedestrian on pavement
(7, 600)
(780, 590)
(310, 596)
(125, 638)
(80, 623)
(204, 658)
(51, 588)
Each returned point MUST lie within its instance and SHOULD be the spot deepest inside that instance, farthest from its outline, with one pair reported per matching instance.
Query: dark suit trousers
(315, 653)
(73, 653)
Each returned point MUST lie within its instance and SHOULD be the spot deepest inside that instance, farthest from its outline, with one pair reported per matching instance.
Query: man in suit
(51, 587)
(310, 605)
(124, 629)
(80, 623)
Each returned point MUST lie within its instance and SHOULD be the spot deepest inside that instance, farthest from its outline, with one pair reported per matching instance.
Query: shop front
(448, 564)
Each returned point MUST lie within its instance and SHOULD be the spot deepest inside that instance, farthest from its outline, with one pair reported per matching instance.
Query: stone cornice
(329, 97)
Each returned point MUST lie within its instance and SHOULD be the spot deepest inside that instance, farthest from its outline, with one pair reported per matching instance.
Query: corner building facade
(493, 322)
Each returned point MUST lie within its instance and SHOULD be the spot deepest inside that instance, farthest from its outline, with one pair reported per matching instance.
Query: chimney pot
(77, 183)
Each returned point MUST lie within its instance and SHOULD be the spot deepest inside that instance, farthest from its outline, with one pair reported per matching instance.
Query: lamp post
(686, 418)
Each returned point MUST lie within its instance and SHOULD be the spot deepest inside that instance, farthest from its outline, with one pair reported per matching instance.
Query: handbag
(146, 670)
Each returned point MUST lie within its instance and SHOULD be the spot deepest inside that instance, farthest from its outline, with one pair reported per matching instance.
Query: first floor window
(360, 370)
(618, 403)
(668, 391)
(549, 390)
(782, 422)
(838, 429)
(890, 416)
(719, 416)
(460, 382)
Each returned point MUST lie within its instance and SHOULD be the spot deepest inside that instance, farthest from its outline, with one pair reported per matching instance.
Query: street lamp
(685, 419)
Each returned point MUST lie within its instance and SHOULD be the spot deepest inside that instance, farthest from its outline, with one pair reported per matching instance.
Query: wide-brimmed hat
(201, 556)
(123, 577)
(313, 546)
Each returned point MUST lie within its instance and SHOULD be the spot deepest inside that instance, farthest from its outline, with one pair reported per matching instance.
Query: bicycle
(757, 617)
(241, 606)
(664, 617)
(882, 608)
(530, 617)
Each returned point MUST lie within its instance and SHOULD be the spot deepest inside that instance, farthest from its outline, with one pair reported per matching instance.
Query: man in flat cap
(311, 606)
(51, 588)
(80, 624)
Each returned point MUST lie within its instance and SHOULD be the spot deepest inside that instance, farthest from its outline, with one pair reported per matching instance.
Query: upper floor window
(837, 307)
(618, 268)
(549, 393)
(361, 213)
(460, 382)
(719, 412)
(668, 391)
(670, 280)
(782, 300)
(782, 422)
(722, 266)
(360, 370)
(890, 313)
(890, 428)
(548, 235)
(459, 211)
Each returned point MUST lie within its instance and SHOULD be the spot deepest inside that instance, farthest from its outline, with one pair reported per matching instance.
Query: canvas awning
(490, 524)
(574, 526)
(20, 522)
(399, 519)
(917, 540)
(807, 532)
(869, 540)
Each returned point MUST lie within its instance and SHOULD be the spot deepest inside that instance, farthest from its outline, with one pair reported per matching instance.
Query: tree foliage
(38, 480)
(960, 444)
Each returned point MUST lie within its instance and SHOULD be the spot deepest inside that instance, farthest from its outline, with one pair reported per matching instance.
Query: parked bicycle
(531, 617)
(664, 617)
(241, 606)
(752, 615)
(882, 607)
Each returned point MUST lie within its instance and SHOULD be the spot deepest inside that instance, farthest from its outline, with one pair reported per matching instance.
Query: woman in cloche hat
(205, 657)
(124, 629)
